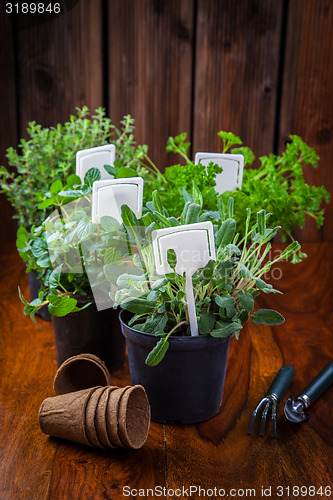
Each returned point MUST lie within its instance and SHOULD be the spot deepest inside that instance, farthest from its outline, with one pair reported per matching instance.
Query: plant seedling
(109, 195)
(232, 164)
(95, 158)
(193, 246)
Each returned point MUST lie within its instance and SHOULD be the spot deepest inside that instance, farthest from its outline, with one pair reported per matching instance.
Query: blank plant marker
(109, 195)
(95, 158)
(232, 175)
(194, 248)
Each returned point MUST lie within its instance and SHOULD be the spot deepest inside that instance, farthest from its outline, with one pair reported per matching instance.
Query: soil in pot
(90, 331)
(187, 385)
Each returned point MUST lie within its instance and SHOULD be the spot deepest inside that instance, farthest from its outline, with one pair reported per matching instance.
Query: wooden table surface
(217, 454)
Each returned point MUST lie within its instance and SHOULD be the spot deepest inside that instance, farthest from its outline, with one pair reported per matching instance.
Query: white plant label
(232, 175)
(109, 195)
(95, 158)
(194, 247)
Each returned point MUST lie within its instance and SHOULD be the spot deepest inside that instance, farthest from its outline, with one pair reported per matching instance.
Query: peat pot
(90, 331)
(186, 386)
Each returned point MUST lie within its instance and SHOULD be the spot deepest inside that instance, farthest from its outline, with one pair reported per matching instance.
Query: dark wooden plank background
(260, 68)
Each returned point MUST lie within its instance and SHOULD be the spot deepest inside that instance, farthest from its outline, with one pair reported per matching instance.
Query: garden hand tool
(274, 394)
(194, 247)
(294, 409)
(231, 176)
(109, 195)
(95, 158)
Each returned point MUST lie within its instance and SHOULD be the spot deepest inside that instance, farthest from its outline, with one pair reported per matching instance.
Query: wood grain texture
(60, 65)
(8, 120)
(150, 69)
(307, 99)
(236, 72)
(217, 453)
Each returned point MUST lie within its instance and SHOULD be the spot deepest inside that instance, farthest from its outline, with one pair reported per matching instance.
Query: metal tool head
(294, 411)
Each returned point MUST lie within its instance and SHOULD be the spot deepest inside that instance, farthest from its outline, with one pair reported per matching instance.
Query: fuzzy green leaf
(192, 214)
(267, 317)
(246, 300)
(225, 329)
(226, 233)
(157, 354)
(139, 306)
(206, 321)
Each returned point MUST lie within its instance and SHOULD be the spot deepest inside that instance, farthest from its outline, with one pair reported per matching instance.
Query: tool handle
(281, 382)
(319, 384)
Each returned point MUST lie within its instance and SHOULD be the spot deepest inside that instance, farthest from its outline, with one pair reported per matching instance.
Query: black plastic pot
(34, 286)
(187, 385)
(90, 331)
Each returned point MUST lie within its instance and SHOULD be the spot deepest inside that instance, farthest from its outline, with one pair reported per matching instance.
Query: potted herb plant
(67, 249)
(183, 374)
(278, 184)
(47, 158)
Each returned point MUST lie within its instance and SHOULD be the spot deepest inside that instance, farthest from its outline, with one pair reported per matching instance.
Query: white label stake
(232, 175)
(95, 158)
(109, 195)
(194, 247)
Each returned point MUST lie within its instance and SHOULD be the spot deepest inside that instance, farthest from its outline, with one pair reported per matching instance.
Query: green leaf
(71, 193)
(129, 218)
(157, 354)
(159, 283)
(221, 208)
(206, 321)
(61, 306)
(92, 175)
(157, 202)
(230, 207)
(46, 203)
(228, 303)
(207, 272)
(172, 258)
(109, 224)
(156, 323)
(111, 170)
(290, 250)
(73, 180)
(56, 187)
(139, 306)
(226, 233)
(261, 221)
(44, 261)
(196, 194)
(85, 228)
(126, 172)
(38, 247)
(244, 271)
(246, 300)
(225, 329)
(192, 214)
(267, 317)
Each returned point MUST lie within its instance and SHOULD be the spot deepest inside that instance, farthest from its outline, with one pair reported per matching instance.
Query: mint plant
(49, 155)
(65, 244)
(225, 289)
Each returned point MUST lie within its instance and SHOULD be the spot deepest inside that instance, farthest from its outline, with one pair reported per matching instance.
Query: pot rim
(174, 339)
